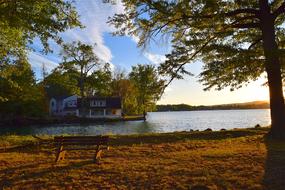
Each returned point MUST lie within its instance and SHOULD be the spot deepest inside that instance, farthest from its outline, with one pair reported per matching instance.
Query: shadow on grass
(31, 149)
(32, 172)
(274, 177)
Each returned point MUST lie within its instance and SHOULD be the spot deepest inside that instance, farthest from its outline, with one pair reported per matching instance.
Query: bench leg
(60, 155)
(98, 154)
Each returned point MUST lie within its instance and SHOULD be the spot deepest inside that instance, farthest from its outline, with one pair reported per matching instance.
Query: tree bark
(273, 69)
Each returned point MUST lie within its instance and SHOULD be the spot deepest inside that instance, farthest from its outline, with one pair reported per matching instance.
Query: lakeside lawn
(237, 159)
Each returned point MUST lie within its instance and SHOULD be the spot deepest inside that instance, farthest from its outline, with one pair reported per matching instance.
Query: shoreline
(15, 122)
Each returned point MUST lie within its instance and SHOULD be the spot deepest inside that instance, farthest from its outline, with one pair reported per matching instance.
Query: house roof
(58, 98)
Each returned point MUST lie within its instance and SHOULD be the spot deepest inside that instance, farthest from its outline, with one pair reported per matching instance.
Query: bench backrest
(81, 140)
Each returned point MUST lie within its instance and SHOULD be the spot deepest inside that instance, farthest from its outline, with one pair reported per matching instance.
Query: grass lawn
(238, 159)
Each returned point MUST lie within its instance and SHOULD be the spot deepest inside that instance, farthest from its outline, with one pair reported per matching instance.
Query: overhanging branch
(246, 25)
(190, 58)
(279, 11)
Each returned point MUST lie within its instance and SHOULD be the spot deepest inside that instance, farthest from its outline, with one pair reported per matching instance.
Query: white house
(97, 107)
(64, 105)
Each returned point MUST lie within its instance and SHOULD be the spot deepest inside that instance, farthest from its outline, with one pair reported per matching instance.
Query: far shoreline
(212, 110)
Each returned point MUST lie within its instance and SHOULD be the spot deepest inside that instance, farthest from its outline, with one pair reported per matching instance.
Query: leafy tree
(22, 21)
(237, 41)
(124, 88)
(23, 96)
(79, 58)
(99, 81)
(148, 84)
(59, 83)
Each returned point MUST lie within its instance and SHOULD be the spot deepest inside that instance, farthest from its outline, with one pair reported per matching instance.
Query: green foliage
(99, 81)
(60, 83)
(79, 58)
(148, 84)
(20, 95)
(237, 41)
(225, 35)
(124, 88)
(22, 21)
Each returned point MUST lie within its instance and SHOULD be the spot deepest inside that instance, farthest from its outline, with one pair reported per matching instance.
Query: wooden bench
(97, 143)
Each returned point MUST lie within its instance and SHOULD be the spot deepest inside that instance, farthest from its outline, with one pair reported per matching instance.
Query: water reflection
(156, 123)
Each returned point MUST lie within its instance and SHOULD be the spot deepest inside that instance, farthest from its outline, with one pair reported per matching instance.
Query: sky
(122, 52)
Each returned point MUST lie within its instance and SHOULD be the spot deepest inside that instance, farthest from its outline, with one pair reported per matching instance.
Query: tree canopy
(80, 59)
(225, 35)
(23, 21)
(23, 97)
(148, 84)
(237, 41)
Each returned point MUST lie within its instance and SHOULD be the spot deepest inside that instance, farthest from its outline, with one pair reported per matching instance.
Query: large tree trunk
(273, 69)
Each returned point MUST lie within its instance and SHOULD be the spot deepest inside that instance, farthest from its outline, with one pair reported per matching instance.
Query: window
(98, 103)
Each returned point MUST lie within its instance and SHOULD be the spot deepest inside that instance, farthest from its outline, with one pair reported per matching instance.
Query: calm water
(157, 122)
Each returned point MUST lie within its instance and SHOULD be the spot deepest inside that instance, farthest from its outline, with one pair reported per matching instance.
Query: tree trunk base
(278, 134)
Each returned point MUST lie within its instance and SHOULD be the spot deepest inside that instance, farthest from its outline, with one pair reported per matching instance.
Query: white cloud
(155, 58)
(94, 15)
(36, 60)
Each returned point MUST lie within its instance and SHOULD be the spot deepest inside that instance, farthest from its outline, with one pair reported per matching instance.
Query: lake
(157, 122)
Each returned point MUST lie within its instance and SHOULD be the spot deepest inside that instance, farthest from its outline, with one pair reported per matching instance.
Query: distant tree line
(186, 107)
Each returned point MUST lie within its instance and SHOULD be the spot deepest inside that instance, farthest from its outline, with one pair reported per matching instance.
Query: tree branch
(246, 25)
(279, 11)
(254, 43)
(190, 58)
(243, 11)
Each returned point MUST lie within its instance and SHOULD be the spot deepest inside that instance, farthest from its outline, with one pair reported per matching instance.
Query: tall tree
(23, 96)
(125, 89)
(237, 41)
(148, 84)
(60, 83)
(79, 57)
(99, 81)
